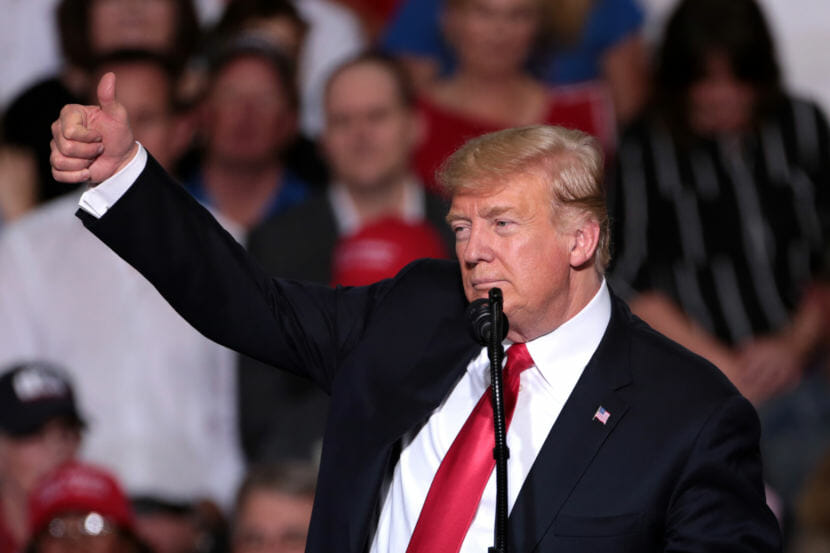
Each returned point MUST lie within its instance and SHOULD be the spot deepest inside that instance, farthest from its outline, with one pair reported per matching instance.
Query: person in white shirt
(160, 398)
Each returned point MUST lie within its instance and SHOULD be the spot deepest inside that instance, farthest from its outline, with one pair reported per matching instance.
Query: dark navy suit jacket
(675, 468)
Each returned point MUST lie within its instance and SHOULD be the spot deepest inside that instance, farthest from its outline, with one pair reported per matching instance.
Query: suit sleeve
(220, 290)
(719, 504)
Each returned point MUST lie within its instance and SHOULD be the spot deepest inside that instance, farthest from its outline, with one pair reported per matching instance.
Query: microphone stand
(495, 352)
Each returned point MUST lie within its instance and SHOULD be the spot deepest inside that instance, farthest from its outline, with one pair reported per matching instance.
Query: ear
(584, 242)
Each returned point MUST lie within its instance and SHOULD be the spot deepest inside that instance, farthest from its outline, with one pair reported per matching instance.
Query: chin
(473, 294)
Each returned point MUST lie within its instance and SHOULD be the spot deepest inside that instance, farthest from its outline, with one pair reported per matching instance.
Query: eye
(461, 231)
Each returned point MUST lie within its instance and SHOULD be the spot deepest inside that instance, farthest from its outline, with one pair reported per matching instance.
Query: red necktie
(458, 485)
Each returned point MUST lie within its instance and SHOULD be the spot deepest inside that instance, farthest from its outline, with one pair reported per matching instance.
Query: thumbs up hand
(92, 143)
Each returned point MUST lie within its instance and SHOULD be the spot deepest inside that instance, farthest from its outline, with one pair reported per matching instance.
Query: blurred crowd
(312, 130)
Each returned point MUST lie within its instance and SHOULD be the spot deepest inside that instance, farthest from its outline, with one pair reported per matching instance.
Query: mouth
(483, 285)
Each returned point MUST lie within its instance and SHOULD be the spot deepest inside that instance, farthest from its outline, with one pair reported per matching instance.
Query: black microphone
(486, 319)
(481, 321)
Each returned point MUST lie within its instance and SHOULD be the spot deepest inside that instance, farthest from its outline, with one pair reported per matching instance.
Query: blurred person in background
(180, 527)
(247, 121)
(580, 41)
(795, 445)
(328, 34)
(372, 129)
(721, 207)
(161, 398)
(40, 429)
(18, 178)
(382, 248)
(273, 509)
(280, 23)
(490, 87)
(81, 508)
(812, 515)
(89, 29)
(721, 200)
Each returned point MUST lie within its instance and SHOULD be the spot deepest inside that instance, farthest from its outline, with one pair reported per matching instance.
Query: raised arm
(157, 227)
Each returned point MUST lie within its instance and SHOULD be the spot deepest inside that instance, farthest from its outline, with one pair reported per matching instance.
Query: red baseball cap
(77, 487)
(380, 249)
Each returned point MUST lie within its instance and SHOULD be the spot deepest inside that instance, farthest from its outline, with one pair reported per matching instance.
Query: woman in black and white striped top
(721, 201)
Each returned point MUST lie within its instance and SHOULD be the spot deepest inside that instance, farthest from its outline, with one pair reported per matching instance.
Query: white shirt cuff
(97, 201)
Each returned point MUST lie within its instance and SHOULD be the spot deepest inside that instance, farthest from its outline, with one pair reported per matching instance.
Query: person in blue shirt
(585, 40)
(249, 122)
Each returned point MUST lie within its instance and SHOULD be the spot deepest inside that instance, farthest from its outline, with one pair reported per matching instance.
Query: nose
(478, 247)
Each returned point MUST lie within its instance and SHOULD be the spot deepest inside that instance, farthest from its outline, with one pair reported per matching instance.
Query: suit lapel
(409, 396)
(575, 438)
(389, 386)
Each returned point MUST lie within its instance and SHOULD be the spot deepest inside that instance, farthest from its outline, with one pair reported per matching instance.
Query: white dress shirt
(97, 201)
(160, 398)
(413, 209)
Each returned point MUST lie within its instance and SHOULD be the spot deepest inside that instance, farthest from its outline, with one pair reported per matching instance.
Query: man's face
(506, 237)
(248, 116)
(24, 460)
(272, 522)
(370, 134)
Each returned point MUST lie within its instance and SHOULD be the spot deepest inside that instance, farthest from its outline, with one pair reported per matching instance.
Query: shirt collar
(345, 212)
(562, 354)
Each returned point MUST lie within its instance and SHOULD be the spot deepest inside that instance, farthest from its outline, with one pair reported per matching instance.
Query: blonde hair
(570, 161)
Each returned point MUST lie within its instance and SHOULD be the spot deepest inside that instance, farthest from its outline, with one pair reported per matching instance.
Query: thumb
(106, 94)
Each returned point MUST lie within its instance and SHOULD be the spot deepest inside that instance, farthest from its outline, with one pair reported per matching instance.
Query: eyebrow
(491, 212)
(451, 217)
(496, 210)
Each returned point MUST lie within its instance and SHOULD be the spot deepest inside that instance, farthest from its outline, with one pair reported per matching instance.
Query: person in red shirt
(492, 87)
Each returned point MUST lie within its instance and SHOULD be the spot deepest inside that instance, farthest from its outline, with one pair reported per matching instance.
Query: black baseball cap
(32, 394)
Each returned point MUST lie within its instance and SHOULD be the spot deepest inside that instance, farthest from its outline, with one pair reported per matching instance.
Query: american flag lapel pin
(602, 415)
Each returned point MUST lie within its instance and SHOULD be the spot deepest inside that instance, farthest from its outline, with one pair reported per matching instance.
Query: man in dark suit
(371, 130)
(620, 440)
